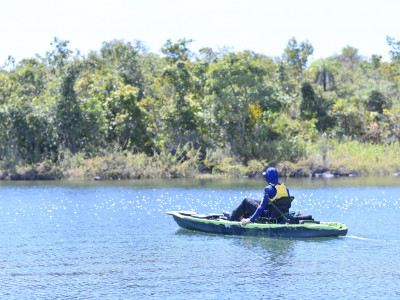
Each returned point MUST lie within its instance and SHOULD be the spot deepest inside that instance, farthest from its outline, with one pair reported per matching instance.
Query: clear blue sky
(28, 27)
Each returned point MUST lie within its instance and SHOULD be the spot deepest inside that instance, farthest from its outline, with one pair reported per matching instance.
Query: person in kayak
(256, 208)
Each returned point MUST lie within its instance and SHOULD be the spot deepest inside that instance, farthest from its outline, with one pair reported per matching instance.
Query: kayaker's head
(271, 175)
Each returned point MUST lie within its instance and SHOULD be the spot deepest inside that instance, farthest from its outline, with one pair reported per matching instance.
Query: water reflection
(272, 251)
(217, 183)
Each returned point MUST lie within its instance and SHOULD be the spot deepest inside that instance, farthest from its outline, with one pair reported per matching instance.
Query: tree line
(247, 105)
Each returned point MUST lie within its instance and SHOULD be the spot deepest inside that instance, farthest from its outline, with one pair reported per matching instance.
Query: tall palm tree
(323, 71)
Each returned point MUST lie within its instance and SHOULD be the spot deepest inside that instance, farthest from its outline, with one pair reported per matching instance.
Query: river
(113, 240)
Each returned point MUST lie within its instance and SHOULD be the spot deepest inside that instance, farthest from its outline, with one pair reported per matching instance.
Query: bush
(255, 168)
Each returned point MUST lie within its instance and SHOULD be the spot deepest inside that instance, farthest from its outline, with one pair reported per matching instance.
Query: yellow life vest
(281, 191)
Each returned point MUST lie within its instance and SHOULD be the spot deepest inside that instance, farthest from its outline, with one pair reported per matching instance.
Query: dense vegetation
(124, 112)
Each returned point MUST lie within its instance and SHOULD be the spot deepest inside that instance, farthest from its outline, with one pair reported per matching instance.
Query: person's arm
(260, 208)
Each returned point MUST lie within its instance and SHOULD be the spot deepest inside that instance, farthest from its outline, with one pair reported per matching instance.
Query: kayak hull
(214, 223)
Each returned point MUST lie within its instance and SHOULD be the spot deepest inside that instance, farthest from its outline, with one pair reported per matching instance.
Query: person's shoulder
(269, 188)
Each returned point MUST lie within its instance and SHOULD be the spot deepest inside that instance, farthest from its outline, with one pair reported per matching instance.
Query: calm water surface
(113, 240)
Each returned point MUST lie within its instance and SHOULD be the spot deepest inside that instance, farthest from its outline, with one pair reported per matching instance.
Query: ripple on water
(115, 241)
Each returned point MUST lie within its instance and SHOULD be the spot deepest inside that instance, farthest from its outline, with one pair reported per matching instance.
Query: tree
(178, 74)
(156, 99)
(125, 118)
(349, 76)
(308, 104)
(376, 61)
(395, 52)
(376, 102)
(349, 58)
(323, 71)
(178, 51)
(238, 92)
(92, 88)
(124, 57)
(68, 111)
(314, 106)
(60, 55)
(296, 56)
(349, 116)
(26, 131)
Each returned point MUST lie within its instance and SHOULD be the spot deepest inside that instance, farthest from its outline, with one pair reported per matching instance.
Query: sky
(28, 27)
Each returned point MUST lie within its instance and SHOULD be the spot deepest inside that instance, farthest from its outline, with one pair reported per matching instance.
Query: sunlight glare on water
(113, 240)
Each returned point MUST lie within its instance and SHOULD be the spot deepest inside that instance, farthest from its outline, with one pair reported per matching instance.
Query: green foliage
(124, 58)
(256, 167)
(183, 162)
(376, 102)
(123, 112)
(125, 119)
(176, 51)
(181, 118)
(308, 106)
(316, 107)
(395, 52)
(113, 165)
(60, 55)
(68, 111)
(366, 159)
(296, 56)
(324, 72)
(349, 118)
(239, 96)
(220, 162)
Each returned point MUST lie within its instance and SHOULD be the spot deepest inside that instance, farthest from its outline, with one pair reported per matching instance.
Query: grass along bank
(345, 158)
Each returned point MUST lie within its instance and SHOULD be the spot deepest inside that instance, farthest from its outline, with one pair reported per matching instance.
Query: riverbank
(335, 159)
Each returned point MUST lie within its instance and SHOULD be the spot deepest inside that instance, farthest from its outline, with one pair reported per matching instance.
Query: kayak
(218, 223)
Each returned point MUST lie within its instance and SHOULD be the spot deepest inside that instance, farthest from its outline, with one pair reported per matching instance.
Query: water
(113, 240)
